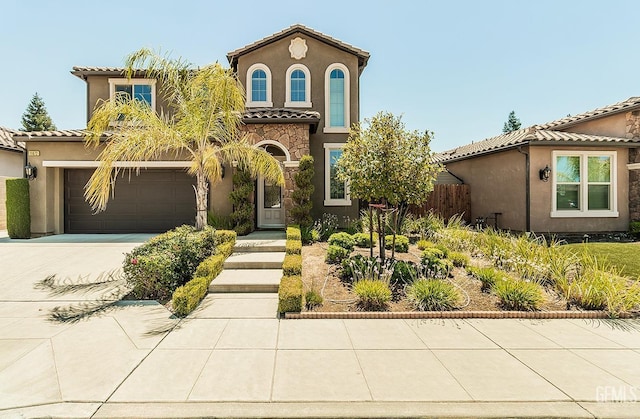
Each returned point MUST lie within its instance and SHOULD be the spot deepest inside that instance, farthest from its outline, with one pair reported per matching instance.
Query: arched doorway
(270, 200)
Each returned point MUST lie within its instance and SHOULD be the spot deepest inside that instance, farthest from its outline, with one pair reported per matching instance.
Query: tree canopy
(36, 117)
(202, 124)
(512, 124)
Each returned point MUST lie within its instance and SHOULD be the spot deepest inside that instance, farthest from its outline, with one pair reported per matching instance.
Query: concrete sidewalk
(135, 360)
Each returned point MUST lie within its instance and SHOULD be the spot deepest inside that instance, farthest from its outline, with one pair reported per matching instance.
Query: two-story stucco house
(302, 91)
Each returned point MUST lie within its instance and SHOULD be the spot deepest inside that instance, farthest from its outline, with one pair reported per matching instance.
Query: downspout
(527, 188)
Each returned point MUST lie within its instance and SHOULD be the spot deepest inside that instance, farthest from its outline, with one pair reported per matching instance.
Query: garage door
(152, 202)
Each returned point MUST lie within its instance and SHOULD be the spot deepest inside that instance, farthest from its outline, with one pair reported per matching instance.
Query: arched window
(259, 86)
(298, 88)
(337, 99)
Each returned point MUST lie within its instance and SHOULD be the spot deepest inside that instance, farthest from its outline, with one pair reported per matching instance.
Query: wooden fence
(447, 201)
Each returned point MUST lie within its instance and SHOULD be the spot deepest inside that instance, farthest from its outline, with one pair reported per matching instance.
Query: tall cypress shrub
(303, 179)
(18, 208)
(242, 215)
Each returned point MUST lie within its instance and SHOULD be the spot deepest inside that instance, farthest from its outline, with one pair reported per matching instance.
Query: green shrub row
(290, 292)
(18, 208)
(187, 297)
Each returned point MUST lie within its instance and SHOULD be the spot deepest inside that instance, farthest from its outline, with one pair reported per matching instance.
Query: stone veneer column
(633, 132)
(295, 139)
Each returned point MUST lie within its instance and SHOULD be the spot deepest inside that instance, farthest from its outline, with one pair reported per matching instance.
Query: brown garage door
(152, 202)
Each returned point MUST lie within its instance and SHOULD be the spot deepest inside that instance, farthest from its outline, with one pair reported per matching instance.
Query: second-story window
(298, 87)
(142, 90)
(259, 86)
(336, 99)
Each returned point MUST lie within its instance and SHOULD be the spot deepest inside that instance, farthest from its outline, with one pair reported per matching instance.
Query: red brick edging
(454, 315)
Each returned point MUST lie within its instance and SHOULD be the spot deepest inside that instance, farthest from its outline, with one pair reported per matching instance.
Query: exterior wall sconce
(545, 174)
(31, 172)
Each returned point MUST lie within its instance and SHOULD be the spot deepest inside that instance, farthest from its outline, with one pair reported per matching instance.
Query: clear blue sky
(454, 67)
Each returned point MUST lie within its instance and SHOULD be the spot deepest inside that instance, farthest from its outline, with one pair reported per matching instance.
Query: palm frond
(253, 159)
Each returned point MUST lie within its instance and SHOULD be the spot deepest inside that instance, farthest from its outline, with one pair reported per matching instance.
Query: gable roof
(7, 142)
(363, 56)
(550, 132)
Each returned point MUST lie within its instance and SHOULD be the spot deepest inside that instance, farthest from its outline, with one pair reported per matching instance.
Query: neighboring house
(302, 91)
(11, 165)
(577, 174)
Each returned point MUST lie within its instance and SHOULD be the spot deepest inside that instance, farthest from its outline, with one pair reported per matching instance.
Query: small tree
(512, 124)
(36, 117)
(301, 210)
(242, 215)
(387, 164)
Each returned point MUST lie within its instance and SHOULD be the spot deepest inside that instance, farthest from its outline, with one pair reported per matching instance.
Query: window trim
(584, 212)
(258, 104)
(328, 201)
(288, 103)
(327, 100)
(132, 82)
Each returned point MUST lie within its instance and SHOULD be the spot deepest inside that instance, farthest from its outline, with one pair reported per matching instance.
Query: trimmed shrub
(402, 243)
(312, 299)
(301, 196)
(293, 233)
(444, 249)
(459, 259)
(240, 196)
(225, 236)
(293, 247)
(487, 276)
(290, 294)
(634, 228)
(518, 295)
(431, 254)
(292, 265)
(335, 254)
(424, 244)
(363, 239)
(344, 240)
(373, 295)
(187, 297)
(433, 295)
(211, 266)
(155, 269)
(18, 208)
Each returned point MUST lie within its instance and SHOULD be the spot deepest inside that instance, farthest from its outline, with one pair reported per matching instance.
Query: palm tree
(204, 124)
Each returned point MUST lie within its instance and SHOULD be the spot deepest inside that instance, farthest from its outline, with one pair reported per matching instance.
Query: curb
(457, 315)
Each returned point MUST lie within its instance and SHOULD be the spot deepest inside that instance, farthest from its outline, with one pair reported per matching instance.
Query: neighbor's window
(336, 191)
(137, 89)
(584, 184)
(259, 86)
(298, 90)
(337, 99)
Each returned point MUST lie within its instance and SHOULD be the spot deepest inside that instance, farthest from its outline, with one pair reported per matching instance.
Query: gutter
(527, 188)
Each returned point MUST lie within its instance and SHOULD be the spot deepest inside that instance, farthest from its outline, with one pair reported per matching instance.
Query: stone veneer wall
(295, 138)
(633, 131)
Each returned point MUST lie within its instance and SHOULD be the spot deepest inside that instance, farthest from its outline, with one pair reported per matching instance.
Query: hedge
(290, 294)
(290, 291)
(18, 208)
(187, 297)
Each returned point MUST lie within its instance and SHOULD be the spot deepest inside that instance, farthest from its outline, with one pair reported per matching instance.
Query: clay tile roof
(279, 114)
(624, 106)
(521, 137)
(82, 72)
(7, 140)
(62, 135)
(363, 56)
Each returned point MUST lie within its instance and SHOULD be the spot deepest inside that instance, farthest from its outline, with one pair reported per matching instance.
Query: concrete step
(259, 246)
(258, 260)
(247, 280)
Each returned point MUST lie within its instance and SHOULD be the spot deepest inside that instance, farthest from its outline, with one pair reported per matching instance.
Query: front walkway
(135, 360)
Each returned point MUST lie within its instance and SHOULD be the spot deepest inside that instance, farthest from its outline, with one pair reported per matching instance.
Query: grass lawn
(625, 256)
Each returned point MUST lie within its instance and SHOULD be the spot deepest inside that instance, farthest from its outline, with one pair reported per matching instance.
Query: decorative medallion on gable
(298, 48)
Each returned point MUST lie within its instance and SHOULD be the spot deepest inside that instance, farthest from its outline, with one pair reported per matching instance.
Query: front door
(270, 205)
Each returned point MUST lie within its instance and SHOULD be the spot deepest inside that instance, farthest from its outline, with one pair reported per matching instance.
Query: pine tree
(512, 124)
(36, 117)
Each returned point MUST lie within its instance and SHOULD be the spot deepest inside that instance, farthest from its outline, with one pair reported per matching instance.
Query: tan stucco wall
(613, 126)
(11, 163)
(497, 184)
(541, 196)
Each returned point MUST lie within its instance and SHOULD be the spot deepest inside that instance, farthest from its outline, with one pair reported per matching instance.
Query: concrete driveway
(135, 360)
